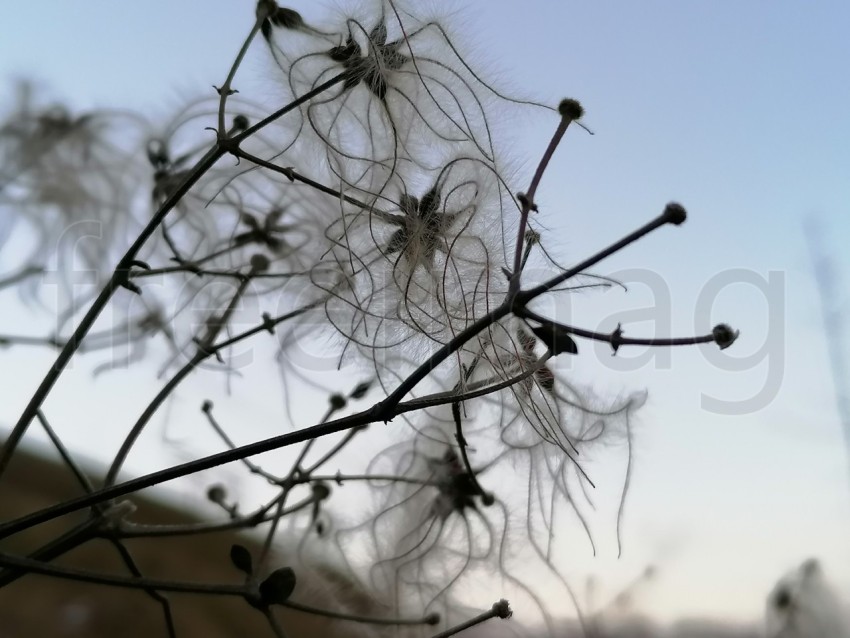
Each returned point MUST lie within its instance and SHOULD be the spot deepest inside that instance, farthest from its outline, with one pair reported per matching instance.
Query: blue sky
(739, 111)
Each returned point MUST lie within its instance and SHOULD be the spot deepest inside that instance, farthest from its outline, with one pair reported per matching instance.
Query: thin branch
(721, 335)
(119, 278)
(234, 142)
(128, 529)
(430, 619)
(520, 300)
(570, 110)
(23, 273)
(500, 609)
(81, 575)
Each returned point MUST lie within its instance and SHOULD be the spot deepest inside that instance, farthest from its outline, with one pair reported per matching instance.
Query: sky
(738, 111)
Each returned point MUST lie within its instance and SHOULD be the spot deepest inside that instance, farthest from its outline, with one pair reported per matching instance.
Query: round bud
(320, 491)
(207, 406)
(259, 263)
(570, 109)
(675, 213)
(432, 619)
(217, 493)
(724, 336)
(502, 609)
(337, 401)
(240, 122)
(266, 8)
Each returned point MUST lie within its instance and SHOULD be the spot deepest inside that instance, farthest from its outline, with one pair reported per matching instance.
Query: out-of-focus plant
(372, 213)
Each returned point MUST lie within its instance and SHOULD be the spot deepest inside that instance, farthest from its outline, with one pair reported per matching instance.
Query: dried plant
(372, 215)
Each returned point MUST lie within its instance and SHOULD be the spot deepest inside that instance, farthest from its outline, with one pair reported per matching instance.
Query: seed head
(570, 109)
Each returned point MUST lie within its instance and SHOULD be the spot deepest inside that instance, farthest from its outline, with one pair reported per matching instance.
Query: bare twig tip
(502, 609)
(724, 335)
(675, 213)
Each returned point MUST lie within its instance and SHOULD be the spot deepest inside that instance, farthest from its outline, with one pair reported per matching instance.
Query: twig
(500, 609)
(118, 279)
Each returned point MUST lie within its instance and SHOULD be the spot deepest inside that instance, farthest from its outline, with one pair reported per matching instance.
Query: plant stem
(118, 279)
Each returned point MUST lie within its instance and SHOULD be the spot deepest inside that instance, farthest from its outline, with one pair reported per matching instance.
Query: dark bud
(241, 559)
(361, 389)
(724, 336)
(287, 18)
(259, 263)
(217, 494)
(278, 587)
(320, 491)
(556, 338)
(502, 609)
(207, 406)
(570, 109)
(675, 213)
(337, 401)
(240, 122)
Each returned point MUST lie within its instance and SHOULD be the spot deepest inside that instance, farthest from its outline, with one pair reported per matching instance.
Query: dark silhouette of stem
(119, 278)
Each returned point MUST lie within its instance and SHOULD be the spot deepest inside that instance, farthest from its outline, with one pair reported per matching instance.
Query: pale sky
(737, 110)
